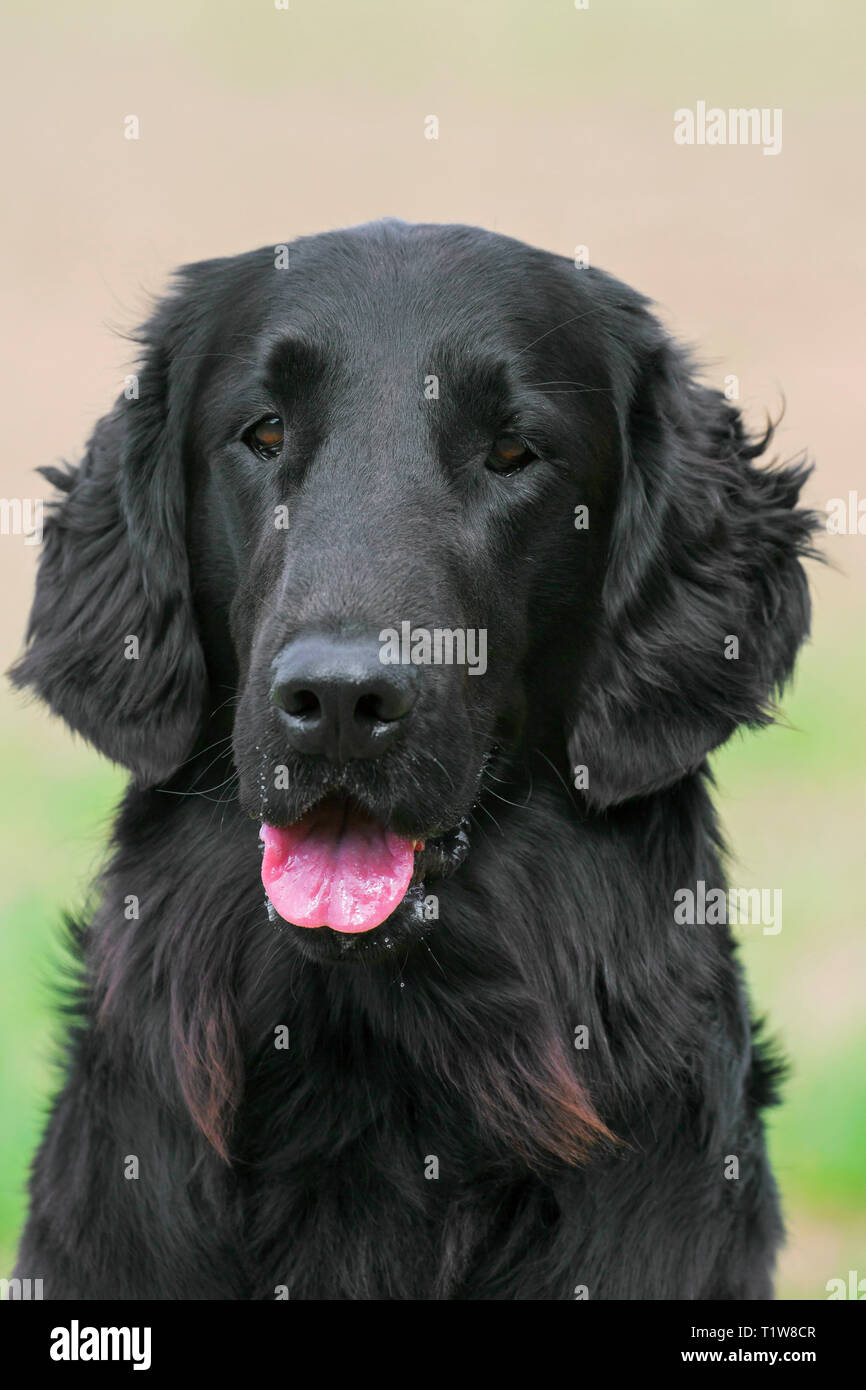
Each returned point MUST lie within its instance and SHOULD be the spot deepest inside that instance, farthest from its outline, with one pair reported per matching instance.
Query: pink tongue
(336, 868)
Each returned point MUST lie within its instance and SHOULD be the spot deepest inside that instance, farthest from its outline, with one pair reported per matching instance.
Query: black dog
(428, 551)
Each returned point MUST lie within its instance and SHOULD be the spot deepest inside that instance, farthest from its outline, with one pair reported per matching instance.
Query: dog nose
(337, 699)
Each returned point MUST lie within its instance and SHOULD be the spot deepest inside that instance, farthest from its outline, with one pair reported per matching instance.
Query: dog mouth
(339, 867)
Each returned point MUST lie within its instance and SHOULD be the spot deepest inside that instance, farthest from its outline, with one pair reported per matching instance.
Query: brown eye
(266, 437)
(508, 454)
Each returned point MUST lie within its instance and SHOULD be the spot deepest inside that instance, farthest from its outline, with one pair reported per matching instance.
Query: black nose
(337, 698)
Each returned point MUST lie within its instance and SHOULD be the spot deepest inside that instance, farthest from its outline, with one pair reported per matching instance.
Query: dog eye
(266, 437)
(509, 454)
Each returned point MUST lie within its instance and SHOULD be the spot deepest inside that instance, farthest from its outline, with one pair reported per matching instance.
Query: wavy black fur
(309, 1169)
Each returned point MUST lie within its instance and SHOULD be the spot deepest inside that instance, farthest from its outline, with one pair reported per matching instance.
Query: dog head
(412, 504)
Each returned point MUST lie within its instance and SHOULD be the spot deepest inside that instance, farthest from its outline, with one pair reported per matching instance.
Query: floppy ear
(112, 645)
(705, 602)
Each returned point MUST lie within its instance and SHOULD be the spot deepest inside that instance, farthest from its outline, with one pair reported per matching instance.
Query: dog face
(424, 503)
(389, 451)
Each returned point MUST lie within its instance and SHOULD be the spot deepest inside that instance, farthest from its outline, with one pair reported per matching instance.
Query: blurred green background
(555, 126)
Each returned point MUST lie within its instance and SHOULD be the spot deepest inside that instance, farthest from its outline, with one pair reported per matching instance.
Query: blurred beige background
(556, 126)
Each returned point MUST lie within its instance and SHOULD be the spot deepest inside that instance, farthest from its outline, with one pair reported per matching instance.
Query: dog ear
(705, 601)
(112, 644)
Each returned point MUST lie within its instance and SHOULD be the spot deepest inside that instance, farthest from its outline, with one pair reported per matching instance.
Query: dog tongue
(336, 867)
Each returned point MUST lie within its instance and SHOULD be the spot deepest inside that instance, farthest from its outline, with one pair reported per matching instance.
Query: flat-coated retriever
(424, 557)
